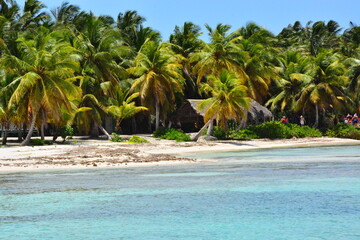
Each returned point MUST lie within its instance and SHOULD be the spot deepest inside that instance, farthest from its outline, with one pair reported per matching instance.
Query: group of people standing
(350, 119)
(302, 120)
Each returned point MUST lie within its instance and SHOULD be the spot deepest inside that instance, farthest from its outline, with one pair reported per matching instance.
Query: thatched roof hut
(189, 116)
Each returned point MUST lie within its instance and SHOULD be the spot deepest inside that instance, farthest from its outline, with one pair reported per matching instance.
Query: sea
(273, 194)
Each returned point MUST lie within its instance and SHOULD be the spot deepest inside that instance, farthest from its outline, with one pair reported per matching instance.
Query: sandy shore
(99, 153)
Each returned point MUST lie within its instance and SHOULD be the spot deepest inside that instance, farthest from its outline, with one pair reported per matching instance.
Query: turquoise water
(296, 194)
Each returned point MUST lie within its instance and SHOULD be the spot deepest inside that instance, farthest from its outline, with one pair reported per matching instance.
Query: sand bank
(101, 154)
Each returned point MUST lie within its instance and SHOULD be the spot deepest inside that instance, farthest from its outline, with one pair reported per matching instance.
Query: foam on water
(239, 196)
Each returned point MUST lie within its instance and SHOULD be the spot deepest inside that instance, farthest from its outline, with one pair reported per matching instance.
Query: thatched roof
(257, 110)
(189, 111)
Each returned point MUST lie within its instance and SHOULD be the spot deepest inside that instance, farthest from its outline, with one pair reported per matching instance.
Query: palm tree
(222, 52)
(46, 74)
(123, 106)
(65, 14)
(185, 41)
(295, 75)
(228, 99)
(132, 30)
(101, 51)
(326, 90)
(33, 14)
(158, 72)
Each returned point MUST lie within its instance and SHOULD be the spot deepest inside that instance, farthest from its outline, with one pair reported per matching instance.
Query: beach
(89, 153)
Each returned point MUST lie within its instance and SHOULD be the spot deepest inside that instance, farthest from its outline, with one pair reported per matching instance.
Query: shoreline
(93, 154)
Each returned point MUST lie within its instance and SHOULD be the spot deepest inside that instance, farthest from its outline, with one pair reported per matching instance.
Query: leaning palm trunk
(211, 127)
(195, 138)
(31, 130)
(241, 125)
(104, 131)
(316, 115)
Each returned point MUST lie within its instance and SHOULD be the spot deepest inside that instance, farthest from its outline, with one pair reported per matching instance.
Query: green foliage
(301, 132)
(275, 130)
(40, 142)
(271, 130)
(344, 131)
(66, 131)
(220, 133)
(171, 134)
(244, 134)
(115, 138)
(137, 139)
(160, 132)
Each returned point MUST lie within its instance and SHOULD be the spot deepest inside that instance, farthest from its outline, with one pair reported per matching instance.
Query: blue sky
(163, 15)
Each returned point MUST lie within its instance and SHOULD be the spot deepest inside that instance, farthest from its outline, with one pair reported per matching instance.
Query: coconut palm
(326, 89)
(132, 30)
(295, 75)
(65, 14)
(185, 41)
(33, 14)
(222, 52)
(46, 74)
(101, 53)
(123, 106)
(228, 99)
(158, 77)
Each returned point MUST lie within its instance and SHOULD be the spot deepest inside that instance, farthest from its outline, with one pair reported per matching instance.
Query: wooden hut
(191, 119)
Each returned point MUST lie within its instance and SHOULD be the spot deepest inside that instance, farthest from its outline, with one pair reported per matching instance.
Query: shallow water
(306, 193)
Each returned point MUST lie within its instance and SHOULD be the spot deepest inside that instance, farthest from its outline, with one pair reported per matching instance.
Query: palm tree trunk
(316, 115)
(133, 125)
(104, 131)
(241, 125)
(195, 138)
(31, 129)
(95, 130)
(42, 130)
(118, 125)
(157, 114)
(211, 127)
(20, 135)
(5, 133)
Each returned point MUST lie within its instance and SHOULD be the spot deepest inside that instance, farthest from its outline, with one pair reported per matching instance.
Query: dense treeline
(68, 67)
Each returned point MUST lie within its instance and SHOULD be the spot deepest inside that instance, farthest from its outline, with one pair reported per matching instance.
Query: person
(355, 119)
(284, 120)
(302, 120)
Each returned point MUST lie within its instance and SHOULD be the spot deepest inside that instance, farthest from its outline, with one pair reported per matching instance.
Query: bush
(137, 139)
(160, 132)
(271, 130)
(220, 133)
(172, 134)
(244, 134)
(66, 131)
(115, 138)
(305, 131)
(40, 142)
(275, 130)
(342, 130)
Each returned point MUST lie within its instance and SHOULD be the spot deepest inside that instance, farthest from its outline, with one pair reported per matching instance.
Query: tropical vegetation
(65, 67)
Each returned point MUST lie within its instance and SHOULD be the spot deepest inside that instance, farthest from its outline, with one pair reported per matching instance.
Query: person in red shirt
(284, 120)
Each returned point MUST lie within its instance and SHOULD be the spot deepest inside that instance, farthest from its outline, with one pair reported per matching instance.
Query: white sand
(99, 153)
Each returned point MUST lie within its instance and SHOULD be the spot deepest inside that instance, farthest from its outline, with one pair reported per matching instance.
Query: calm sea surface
(304, 194)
